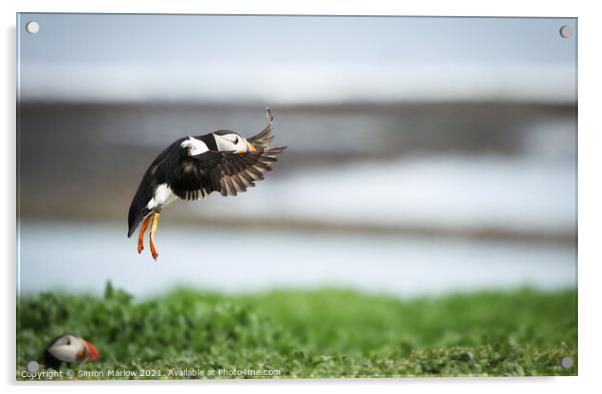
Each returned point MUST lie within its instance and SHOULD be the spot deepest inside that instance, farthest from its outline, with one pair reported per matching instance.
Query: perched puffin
(194, 167)
(69, 349)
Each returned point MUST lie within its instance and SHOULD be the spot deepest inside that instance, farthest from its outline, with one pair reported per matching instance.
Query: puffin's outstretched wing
(228, 173)
(235, 172)
(262, 139)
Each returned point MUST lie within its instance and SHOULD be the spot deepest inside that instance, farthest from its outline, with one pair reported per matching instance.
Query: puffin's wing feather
(263, 139)
(231, 173)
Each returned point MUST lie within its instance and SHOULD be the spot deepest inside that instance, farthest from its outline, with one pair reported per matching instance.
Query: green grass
(321, 333)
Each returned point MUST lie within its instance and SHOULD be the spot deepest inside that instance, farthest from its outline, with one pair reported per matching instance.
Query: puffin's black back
(158, 173)
(147, 187)
(50, 361)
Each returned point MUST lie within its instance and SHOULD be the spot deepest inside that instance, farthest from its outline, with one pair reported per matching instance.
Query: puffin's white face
(70, 348)
(67, 348)
(232, 142)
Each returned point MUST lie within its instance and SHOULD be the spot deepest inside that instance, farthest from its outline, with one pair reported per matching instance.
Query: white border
(590, 179)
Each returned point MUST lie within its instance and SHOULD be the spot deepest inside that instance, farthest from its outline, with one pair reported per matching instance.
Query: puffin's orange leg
(152, 235)
(141, 234)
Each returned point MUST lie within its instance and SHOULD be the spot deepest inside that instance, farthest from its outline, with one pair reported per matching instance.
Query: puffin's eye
(235, 140)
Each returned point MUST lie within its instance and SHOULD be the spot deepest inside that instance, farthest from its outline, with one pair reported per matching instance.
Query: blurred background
(425, 155)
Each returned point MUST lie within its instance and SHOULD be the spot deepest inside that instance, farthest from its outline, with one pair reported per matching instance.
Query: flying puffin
(69, 349)
(194, 167)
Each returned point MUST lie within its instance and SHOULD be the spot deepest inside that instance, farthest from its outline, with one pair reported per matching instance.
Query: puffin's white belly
(162, 198)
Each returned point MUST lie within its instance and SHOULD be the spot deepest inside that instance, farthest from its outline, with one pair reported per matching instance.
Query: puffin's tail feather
(134, 219)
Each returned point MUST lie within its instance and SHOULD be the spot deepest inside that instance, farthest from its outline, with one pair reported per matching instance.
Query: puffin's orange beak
(249, 147)
(93, 352)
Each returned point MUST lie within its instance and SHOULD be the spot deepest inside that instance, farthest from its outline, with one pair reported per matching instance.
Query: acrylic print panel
(421, 220)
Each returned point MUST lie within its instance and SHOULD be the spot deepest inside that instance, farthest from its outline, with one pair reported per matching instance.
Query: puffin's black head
(228, 140)
(68, 349)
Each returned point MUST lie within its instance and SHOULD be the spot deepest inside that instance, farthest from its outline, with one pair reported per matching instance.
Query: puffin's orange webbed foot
(153, 248)
(154, 252)
(141, 234)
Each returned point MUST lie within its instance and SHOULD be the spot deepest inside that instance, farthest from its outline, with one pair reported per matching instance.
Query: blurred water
(82, 257)
(451, 192)
(501, 171)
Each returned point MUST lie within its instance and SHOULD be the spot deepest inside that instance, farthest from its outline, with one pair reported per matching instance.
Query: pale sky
(293, 58)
